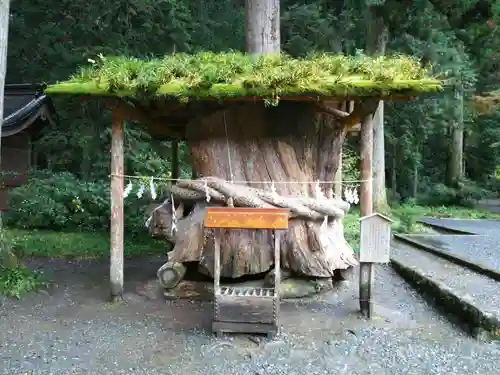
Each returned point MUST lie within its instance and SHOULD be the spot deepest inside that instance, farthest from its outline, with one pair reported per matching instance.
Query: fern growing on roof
(234, 74)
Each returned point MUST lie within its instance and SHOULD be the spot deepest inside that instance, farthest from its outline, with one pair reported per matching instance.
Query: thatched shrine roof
(174, 89)
(26, 108)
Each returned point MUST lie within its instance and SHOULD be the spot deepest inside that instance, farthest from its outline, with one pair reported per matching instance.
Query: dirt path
(71, 330)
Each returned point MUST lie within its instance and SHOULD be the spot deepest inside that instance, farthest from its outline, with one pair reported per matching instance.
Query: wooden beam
(131, 113)
(307, 98)
(175, 160)
(353, 118)
(366, 203)
(117, 219)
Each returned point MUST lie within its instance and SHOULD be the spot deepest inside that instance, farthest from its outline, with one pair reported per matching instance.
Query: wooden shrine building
(26, 111)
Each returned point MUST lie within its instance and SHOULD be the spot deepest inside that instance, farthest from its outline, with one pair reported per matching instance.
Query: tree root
(313, 246)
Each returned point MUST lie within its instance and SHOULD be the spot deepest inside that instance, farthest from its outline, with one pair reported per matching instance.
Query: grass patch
(406, 216)
(234, 74)
(16, 279)
(27, 243)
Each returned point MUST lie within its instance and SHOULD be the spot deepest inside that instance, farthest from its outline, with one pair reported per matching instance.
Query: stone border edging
(476, 267)
(445, 229)
(484, 325)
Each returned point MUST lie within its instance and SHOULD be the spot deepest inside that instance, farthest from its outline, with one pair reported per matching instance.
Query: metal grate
(247, 292)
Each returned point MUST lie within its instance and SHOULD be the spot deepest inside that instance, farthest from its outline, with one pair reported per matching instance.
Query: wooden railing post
(117, 220)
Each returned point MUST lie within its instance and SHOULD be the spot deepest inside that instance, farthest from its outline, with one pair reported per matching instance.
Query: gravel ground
(484, 250)
(69, 329)
(475, 226)
(482, 290)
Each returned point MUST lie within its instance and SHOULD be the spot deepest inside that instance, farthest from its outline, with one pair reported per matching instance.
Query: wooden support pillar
(366, 275)
(117, 220)
(337, 181)
(175, 160)
(337, 184)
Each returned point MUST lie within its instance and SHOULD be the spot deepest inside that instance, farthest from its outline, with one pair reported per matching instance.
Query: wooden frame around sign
(255, 310)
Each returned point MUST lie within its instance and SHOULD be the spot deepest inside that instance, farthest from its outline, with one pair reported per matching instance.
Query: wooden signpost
(375, 247)
(246, 310)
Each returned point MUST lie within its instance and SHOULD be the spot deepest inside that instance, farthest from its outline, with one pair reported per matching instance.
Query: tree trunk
(379, 190)
(4, 37)
(251, 142)
(377, 37)
(455, 159)
(394, 176)
(416, 164)
(262, 26)
(6, 256)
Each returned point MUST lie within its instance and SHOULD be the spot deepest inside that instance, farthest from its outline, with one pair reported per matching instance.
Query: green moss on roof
(233, 74)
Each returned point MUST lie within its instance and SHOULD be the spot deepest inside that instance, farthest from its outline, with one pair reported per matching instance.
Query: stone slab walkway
(482, 250)
(475, 226)
(482, 246)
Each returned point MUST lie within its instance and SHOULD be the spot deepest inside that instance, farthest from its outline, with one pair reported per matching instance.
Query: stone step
(466, 295)
(478, 253)
(461, 226)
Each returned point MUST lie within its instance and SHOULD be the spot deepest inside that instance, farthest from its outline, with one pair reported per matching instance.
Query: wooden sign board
(246, 218)
(250, 310)
(375, 243)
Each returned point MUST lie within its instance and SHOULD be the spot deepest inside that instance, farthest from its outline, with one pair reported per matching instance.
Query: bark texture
(262, 26)
(251, 142)
(117, 219)
(378, 33)
(456, 153)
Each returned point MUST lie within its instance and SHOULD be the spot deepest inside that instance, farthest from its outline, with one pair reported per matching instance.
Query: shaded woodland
(437, 149)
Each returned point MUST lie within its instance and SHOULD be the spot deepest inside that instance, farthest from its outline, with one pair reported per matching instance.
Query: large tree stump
(253, 142)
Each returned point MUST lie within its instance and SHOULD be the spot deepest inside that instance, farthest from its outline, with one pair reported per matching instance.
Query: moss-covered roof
(233, 74)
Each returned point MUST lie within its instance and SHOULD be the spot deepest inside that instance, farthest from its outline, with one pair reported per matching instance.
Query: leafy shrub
(406, 218)
(15, 278)
(350, 165)
(61, 201)
(14, 282)
(393, 197)
(441, 195)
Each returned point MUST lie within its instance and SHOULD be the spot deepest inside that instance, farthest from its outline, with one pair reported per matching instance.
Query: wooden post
(366, 202)
(117, 230)
(337, 181)
(4, 36)
(175, 160)
(337, 185)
